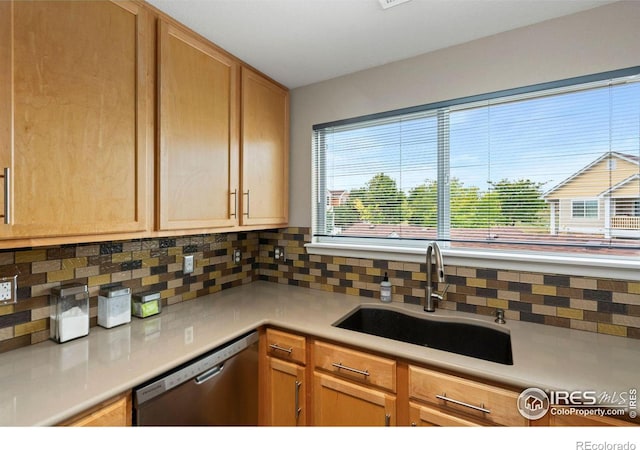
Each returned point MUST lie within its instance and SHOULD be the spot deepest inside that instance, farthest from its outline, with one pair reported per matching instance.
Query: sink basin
(456, 336)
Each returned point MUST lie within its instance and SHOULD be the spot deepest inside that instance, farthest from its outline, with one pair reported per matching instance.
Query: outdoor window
(518, 170)
(584, 209)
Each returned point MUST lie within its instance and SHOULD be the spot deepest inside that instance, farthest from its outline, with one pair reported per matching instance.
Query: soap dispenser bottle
(385, 289)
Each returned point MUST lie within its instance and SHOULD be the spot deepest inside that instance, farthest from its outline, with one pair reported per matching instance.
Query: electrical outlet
(187, 264)
(278, 253)
(8, 290)
(237, 255)
(188, 335)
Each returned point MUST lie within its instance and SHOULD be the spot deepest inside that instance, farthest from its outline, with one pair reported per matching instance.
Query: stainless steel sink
(456, 336)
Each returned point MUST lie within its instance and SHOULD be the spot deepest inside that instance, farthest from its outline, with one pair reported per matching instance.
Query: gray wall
(597, 40)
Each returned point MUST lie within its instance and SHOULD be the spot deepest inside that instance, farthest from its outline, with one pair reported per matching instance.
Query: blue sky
(545, 139)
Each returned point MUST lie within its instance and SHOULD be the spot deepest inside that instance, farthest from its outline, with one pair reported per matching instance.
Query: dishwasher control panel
(194, 368)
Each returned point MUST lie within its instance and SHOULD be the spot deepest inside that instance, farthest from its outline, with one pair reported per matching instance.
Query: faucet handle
(440, 296)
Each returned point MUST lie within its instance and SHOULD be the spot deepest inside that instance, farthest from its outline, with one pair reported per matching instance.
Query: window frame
(584, 215)
(414, 251)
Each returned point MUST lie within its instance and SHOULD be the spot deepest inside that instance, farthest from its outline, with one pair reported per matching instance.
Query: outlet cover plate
(237, 255)
(187, 264)
(278, 253)
(8, 290)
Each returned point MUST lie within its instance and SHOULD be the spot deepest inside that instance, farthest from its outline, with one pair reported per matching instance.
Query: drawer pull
(466, 405)
(351, 369)
(282, 349)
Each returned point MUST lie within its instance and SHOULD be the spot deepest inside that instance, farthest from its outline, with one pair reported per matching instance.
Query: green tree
(422, 205)
(465, 205)
(382, 202)
(520, 201)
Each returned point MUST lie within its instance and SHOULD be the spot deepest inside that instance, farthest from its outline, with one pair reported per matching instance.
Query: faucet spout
(433, 253)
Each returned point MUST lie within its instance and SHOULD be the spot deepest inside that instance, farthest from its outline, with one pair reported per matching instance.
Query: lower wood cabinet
(345, 386)
(338, 402)
(115, 412)
(426, 416)
(465, 399)
(286, 393)
(352, 388)
(284, 387)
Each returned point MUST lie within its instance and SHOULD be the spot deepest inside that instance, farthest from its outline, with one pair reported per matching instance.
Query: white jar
(114, 306)
(69, 312)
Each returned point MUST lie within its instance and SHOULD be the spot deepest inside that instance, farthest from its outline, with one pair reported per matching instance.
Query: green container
(146, 304)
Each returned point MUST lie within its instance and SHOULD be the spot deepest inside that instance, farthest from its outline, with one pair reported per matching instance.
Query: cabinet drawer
(458, 395)
(287, 346)
(363, 367)
(425, 416)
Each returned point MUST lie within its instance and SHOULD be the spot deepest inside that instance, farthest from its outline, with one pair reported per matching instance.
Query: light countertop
(46, 383)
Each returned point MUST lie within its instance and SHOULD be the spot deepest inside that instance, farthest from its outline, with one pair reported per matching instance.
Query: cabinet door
(424, 416)
(198, 163)
(342, 403)
(112, 413)
(73, 86)
(265, 151)
(287, 394)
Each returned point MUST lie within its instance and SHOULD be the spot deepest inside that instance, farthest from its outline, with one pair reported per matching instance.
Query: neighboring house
(337, 197)
(602, 198)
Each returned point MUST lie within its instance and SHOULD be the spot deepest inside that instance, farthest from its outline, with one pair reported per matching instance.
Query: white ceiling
(300, 42)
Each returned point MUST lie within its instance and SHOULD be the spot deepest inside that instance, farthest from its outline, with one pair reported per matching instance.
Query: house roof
(624, 156)
(619, 185)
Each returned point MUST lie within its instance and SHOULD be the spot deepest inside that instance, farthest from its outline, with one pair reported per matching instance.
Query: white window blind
(554, 169)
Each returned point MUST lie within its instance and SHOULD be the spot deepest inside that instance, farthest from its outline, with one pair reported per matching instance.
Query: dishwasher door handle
(203, 378)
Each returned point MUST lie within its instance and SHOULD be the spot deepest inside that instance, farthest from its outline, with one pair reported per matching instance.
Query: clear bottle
(385, 289)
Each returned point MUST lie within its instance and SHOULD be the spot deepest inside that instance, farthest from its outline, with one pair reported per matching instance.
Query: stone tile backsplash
(598, 305)
(143, 265)
(591, 304)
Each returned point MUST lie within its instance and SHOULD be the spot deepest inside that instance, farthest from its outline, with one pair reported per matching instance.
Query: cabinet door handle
(298, 410)
(387, 420)
(351, 369)
(7, 195)
(466, 405)
(282, 349)
(235, 203)
(247, 194)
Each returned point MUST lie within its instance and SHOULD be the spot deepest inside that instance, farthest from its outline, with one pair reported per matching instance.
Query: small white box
(114, 306)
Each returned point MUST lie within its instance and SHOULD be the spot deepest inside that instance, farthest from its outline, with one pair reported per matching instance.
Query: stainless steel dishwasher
(218, 388)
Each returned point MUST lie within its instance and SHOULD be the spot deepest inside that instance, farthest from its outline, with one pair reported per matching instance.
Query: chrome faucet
(431, 296)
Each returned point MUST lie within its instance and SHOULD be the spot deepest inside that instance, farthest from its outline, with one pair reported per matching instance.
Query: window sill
(589, 266)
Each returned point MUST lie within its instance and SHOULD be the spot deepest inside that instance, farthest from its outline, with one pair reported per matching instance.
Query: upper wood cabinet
(264, 146)
(198, 132)
(73, 118)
